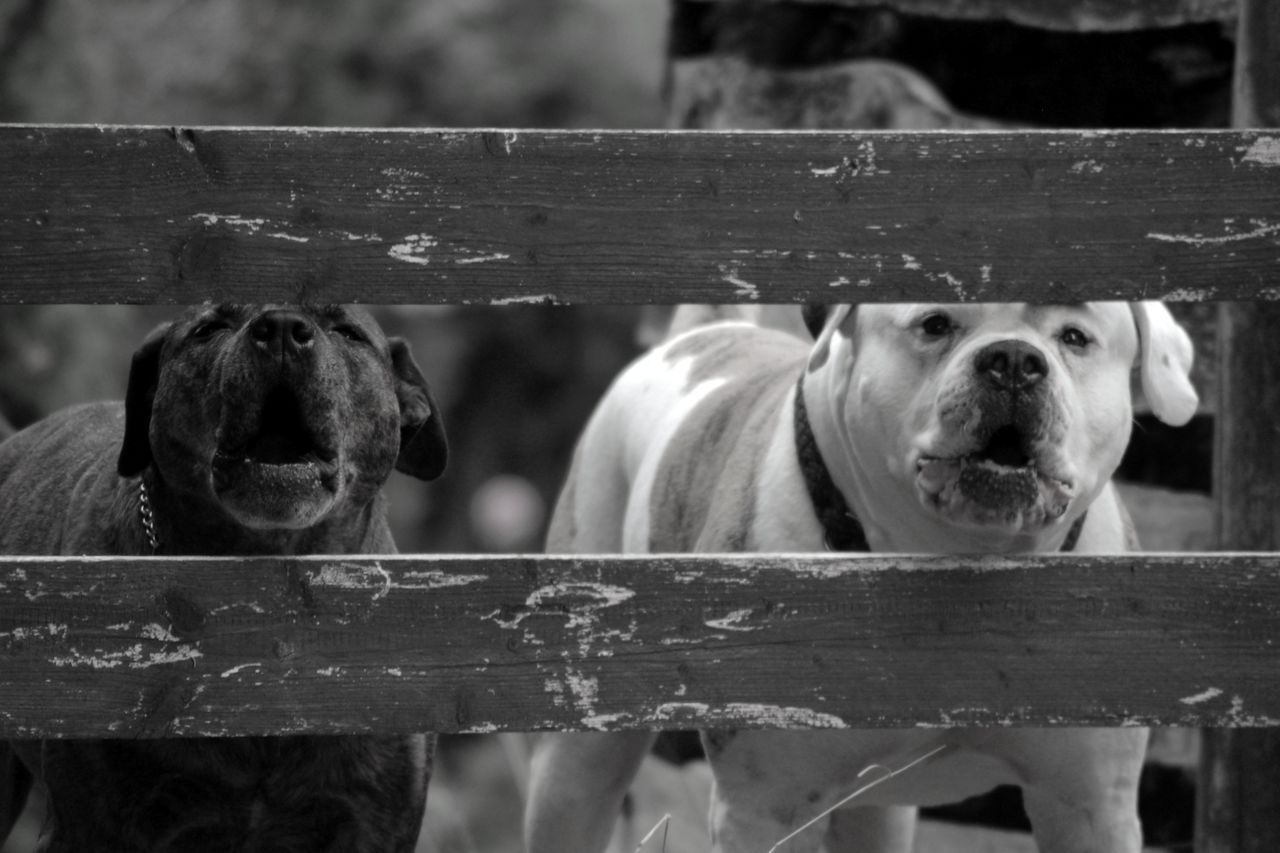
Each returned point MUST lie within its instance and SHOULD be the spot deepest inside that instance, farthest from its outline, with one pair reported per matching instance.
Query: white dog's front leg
(749, 821)
(1062, 825)
(576, 785)
(765, 790)
(1083, 797)
(746, 829)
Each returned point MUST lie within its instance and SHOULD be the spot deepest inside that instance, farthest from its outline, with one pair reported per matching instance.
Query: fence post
(1239, 785)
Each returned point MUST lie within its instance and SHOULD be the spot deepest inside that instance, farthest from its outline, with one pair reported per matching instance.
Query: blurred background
(517, 383)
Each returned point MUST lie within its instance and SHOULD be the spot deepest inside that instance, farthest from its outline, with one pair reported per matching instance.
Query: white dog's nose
(1011, 365)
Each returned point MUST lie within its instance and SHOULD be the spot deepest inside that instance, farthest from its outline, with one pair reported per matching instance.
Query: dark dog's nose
(282, 333)
(1011, 365)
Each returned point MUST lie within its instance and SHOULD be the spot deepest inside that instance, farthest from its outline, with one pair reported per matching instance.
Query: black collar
(840, 527)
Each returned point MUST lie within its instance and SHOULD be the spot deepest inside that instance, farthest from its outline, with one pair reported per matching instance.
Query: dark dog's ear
(423, 448)
(144, 375)
(815, 317)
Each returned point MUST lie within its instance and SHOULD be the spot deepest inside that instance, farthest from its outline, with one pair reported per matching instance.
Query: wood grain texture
(1081, 15)
(1238, 794)
(161, 647)
(1246, 455)
(1256, 96)
(174, 215)
(1237, 799)
(1238, 806)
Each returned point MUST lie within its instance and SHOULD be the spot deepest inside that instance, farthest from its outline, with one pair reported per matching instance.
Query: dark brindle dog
(249, 430)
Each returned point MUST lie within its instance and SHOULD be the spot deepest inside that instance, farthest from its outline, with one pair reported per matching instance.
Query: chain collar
(147, 515)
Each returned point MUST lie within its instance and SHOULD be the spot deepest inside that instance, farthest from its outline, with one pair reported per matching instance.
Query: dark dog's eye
(1074, 338)
(207, 329)
(351, 333)
(937, 325)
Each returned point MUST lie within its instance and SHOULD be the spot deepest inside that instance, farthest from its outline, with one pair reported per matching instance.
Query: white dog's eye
(1074, 338)
(937, 325)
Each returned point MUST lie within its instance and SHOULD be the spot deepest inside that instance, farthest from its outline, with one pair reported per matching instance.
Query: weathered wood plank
(1256, 100)
(1238, 797)
(1238, 807)
(156, 647)
(160, 215)
(1082, 15)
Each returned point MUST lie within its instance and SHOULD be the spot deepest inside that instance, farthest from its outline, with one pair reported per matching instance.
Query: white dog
(980, 428)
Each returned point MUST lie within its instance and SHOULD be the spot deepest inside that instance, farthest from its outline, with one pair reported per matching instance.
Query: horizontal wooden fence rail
(181, 215)
(130, 647)
(145, 647)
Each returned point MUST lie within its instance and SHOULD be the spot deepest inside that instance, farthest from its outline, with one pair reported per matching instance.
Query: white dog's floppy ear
(144, 376)
(1165, 363)
(423, 448)
(835, 316)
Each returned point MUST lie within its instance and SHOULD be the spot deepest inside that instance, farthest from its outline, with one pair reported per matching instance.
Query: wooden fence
(129, 647)
(181, 215)
(148, 647)
(162, 647)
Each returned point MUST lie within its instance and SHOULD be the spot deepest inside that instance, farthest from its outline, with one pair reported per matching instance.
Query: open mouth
(1000, 475)
(1001, 481)
(283, 437)
(1005, 449)
(282, 453)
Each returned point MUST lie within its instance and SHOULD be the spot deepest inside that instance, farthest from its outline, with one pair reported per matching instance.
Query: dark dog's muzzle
(283, 334)
(274, 431)
(278, 448)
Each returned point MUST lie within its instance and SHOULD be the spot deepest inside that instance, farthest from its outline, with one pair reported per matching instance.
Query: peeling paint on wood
(632, 217)
(1261, 228)
(732, 274)
(1092, 167)
(1205, 696)
(1264, 151)
(212, 646)
(732, 622)
(1074, 15)
(539, 299)
(484, 259)
(249, 226)
(414, 249)
(759, 715)
(437, 580)
(133, 657)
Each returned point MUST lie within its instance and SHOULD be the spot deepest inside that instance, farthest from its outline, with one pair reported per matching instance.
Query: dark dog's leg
(15, 784)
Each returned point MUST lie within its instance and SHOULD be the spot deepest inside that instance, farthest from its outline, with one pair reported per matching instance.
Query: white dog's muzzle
(1003, 424)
